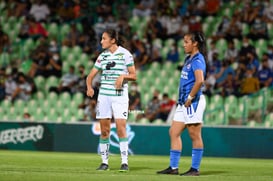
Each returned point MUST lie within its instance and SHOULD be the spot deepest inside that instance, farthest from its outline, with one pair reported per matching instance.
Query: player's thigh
(176, 128)
(120, 106)
(194, 130)
(103, 109)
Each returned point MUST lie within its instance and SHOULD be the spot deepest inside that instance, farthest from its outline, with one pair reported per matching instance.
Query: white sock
(104, 150)
(123, 144)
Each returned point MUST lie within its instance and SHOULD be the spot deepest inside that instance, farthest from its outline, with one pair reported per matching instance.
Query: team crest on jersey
(98, 60)
(188, 66)
(119, 55)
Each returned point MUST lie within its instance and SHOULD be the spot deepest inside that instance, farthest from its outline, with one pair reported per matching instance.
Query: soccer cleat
(124, 168)
(191, 172)
(103, 167)
(169, 170)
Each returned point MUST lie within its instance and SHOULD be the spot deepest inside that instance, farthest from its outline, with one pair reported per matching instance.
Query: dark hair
(113, 34)
(199, 37)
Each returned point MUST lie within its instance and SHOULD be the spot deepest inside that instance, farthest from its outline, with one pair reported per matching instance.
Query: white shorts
(112, 107)
(192, 114)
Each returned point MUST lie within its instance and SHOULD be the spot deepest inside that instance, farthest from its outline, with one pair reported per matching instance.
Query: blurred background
(47, 48)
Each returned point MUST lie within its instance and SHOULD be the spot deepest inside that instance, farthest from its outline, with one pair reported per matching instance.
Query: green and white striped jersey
(112, 66)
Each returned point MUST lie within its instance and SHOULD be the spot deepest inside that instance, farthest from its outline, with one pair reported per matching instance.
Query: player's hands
(187, 103)
(119, 82)
(90, 92)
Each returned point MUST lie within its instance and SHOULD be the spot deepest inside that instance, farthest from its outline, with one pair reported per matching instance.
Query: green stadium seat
(2, 5)
(158, 122)
(65, 99)
(12, 114)
(79, 114)
(5, 105)
(18, 105)
(53, 30)
(78, 98)
(51, 81)
(64, 30)
(269, 120)
(25, 66)
(214, 118)
(245, 28)
(64, 52)
(4, 59)
(52, 97)
(270, 29)
(39, 115)
(234, 109)
(77, 51)
(158, 42)
(2, 113)
(144, 121)
(40, 82)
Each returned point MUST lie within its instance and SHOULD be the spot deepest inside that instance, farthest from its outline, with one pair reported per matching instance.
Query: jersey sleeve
(98, 63)
(199, 65)
(129, 60)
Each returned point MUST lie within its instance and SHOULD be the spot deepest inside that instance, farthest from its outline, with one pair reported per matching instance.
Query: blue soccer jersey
(187, 78)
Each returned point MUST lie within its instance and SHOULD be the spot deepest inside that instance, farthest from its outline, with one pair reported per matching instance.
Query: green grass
(31, 165)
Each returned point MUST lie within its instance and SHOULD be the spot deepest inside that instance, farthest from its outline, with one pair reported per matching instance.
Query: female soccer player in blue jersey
(117, 68)
(191, 105)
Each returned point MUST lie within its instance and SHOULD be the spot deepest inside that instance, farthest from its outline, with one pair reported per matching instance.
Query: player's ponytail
(199, 37)
(115, 35)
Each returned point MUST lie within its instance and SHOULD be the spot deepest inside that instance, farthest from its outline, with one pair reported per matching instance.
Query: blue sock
(174, 158)
(197, 154)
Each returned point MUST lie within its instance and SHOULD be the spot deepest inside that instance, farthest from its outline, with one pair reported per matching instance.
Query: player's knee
(194, 135)
(105, 133)
(173, 132)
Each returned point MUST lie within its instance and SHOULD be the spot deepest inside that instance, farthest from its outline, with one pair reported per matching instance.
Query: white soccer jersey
(112, 66)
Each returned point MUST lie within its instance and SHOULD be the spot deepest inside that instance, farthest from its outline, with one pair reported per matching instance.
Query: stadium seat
(269, 120)
(78, 98)
(245, 28)
(25, 66)
(53, 31)
(79, 114)
(144, 121)
(158, 42)
(52, 97)
(51, 81)
(12, 114)
(77, 51)
(158, 122)
(2, 113)
(233, 108)
(39, 115)
(40, 82)
(214, 118)
(4, 59)
(64, 52)
(64, 30)
(65, 98)
(18, 105)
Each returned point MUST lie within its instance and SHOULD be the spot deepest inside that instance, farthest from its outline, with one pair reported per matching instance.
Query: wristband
(190, 97)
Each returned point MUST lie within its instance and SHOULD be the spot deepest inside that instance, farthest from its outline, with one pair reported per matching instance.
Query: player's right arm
(89, 79)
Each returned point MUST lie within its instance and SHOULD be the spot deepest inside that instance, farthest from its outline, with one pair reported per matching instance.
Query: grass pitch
(59, 166)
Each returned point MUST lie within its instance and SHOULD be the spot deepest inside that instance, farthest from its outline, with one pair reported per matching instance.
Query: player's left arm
(131, 76)
(199, 81)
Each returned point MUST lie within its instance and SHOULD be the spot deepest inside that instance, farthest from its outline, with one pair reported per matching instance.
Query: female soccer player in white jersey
(191, 105)
(117, 68)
